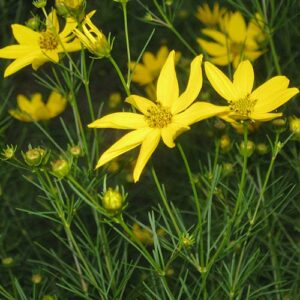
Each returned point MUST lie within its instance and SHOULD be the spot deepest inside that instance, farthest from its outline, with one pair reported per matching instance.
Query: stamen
(158, 116)
(242, 107)
(48, 41)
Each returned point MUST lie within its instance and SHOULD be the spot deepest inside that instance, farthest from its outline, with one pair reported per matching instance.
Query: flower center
(48, 41)
(158, 116)
(242, 107)
(237, 48)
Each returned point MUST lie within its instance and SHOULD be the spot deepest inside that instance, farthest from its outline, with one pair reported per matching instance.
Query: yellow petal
(126, 143)
(140, 103)
(36, 100)
(162, 56)
(148, 146)
(52, 55)
(243, 79)
(276, 101)
(122, 120)
(52, 21)
(252, 54)
(212, 48)
(20, 63)
(171, 132)
(216, 35)
(199, 111)
(149, 61)
(37, 62)
(16, 51)
(56, 104)
(70, 25)
(73, 46)
(269, 90)
(24, 104)
(25, 35)
(220, 82)
(167, 85)
(264, 117)
(193, 88)
(19, 115)
(237, 28)
(141, 74)
(222, 60)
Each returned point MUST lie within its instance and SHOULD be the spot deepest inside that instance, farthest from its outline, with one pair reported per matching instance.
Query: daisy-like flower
(210, 17)
(244, 103)
(236, 42)
(147, 72)
(37, 48)
(164, 119)
(34, 109)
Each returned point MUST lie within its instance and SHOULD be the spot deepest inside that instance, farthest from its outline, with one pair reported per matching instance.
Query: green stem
(172, 28)
(124, 7)
(115, 65)
(166, 203)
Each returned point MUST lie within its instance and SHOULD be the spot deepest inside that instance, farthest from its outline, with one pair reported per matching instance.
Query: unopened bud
(247, 150)
(35, 157)
(279, 125)
(262, 148)
(227, 169)
(294, 124)
(36, 278)
(225, 143)
(113, 200)
(60, 168)
(7, 261)
(39, 3)
(75, 150)
(8, 152)
(187, 240)
(34, 23)
(48, 297)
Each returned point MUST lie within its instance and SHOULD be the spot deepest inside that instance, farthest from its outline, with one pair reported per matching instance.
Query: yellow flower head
(35, 109)
(37, 48)
(257, 105)
(210, 17)
(93, 39)
(235, 42)
(148, 71)
(165, 119)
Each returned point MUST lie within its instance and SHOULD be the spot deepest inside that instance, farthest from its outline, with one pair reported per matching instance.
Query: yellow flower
(148, 71)
(256, 28)
(37, 48)
(167, 118)
(245, 103)
(236, 43)
(92, 38)
(142, 234)
(35, 109)
(210, 17)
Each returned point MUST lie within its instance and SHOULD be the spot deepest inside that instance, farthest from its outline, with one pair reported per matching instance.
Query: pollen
(242, 107)
(48, 41)
(158, 116)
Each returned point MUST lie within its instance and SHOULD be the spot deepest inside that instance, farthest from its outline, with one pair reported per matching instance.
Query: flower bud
(48, 297)
(248, 151)
(262, 148)
(34, 23)
(60, 168)
(35, 157)
(225, 143)
(187, 240)
(114, 100)
(279, 125)
(8, 152)
(75, 151)
(7, 261)
(227, 169)
(113, 200)
(294, 124)
(36, 278)
(73, 8)
(39, 3)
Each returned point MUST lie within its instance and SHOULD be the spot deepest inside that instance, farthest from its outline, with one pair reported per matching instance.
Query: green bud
(75, 151)
(7, 261)
(225, 143)
(60, 168)
(248, 151)
(279, 125)
(262, 148)
(227, 169)
(294, 124)
(113, 201)
(187, 240)
(8, 152)
(36, 278)
(48, 297)
(35, 157)
(34, 23)
(39, 3)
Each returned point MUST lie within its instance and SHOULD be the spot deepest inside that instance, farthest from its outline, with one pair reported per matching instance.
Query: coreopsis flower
(147, 72)
(37, 48)
(210, 17)
(244, 103)
(93, 39)
(256, 28)
(236, 41)
(34, 109)
(164, 119)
